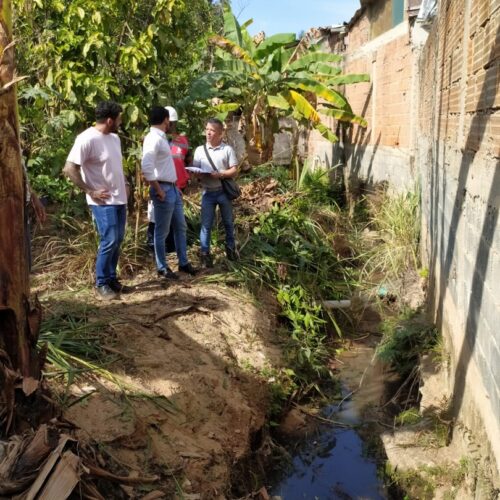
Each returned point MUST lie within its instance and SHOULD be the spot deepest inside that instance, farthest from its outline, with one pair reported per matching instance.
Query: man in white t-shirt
(94, 164)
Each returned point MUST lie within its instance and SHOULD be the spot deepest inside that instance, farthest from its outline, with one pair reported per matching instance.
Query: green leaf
(232, 29)
(49, 79)
(269, 45)
(348, 79)
(226, 107)
(86, 49)
(247, 23)
(133, 113)
(80, 12)
(320, 90)
(305, 61)
(324, 69)
(278, 102)
(343, 116)
(303, 109)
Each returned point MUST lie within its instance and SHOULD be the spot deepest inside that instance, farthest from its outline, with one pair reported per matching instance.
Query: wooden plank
(63, 479)
(47, 468)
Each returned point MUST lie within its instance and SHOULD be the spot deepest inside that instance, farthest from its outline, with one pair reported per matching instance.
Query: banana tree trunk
(259, 138)
(18, 324)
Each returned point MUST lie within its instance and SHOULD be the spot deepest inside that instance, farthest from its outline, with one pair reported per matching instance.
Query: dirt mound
(198, 346)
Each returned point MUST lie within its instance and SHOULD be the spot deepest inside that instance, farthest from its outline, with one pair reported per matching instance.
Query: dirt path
(198, 345)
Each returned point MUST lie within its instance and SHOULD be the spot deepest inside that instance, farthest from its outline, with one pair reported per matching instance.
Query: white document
(197, 170)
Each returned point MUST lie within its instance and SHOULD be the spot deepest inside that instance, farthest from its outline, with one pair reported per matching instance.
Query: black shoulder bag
(231, 189)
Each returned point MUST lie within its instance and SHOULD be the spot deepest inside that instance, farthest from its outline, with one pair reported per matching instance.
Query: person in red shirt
(179, 146)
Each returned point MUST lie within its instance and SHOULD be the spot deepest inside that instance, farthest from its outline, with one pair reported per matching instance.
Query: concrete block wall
(458, 158)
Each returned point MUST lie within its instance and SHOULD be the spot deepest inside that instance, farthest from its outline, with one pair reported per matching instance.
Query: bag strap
(209, 158)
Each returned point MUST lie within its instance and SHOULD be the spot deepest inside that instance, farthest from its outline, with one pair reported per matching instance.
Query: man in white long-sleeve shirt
(159, 170)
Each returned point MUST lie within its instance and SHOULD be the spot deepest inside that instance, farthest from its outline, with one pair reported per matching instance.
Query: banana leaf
(305, 61)
(348, 79)
(343, 116)
(320, 90)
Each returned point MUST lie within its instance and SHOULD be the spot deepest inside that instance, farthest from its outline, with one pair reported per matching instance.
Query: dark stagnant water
(334, 462)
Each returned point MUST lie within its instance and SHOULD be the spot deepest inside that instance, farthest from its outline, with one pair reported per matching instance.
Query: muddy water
(333, 462)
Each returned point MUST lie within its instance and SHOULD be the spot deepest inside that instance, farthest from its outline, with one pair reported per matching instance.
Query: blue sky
(292, 16)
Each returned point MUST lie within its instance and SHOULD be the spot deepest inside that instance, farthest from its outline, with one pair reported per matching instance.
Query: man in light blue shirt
(159, 170)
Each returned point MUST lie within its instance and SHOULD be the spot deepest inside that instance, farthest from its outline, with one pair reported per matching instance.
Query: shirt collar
(159, 132)
(221, 145)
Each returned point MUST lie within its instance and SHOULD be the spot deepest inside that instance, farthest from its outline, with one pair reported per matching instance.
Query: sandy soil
(201, 347)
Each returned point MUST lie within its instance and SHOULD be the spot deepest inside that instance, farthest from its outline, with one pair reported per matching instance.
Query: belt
(167, 182)
(213, 189)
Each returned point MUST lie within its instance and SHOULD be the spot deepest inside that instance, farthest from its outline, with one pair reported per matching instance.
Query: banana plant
(264, 80)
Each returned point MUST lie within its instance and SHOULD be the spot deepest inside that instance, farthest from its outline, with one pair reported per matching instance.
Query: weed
(397, 221)
(405, 337)
(421, 483)
(74, 349)
(71, 257)
(408, 417)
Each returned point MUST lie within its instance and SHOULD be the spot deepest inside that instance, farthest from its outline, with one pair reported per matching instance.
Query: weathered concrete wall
(458, 149)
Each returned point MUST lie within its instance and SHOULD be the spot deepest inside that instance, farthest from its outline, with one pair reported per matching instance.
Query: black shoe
(206, 261)
(189, 269)
(231, 253)
(118, 287)
(168, 274)
(105, 292)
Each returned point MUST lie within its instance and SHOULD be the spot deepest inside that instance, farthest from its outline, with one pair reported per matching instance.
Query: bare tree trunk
(18, 324)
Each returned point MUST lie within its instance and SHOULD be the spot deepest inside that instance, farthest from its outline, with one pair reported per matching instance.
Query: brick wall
(382, 151)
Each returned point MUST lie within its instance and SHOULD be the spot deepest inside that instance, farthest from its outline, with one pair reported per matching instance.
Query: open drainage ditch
(341, 459)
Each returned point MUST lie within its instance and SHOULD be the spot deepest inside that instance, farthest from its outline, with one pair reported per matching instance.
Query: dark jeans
(110, 221)
(209, 202)
(170, 209)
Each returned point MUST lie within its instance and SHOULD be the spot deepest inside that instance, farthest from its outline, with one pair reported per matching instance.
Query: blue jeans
(169, 210)
(209, 202)
(110, 221)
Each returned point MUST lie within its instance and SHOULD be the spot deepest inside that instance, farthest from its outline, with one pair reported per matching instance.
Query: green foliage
(405, 337)
(408, 417)
(289, 250)
(421, 483)
(307, 329)
(280, 76)
(78, 53)
(71, 335)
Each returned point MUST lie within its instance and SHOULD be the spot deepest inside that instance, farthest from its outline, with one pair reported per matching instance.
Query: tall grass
(70, 255)
(397, 221)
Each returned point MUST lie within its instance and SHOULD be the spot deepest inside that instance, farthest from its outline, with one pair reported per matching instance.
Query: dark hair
(107, 109)
(215, 121)
(157, 115)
